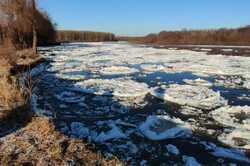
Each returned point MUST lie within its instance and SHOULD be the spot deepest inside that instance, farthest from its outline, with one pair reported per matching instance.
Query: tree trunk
(34, 27)
(34, 40)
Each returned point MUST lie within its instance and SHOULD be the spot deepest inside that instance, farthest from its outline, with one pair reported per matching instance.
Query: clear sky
(140, 17)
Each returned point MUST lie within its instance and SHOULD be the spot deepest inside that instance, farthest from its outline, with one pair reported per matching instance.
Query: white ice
(239, 138)
(116, 70)
(198, 82)
(190, 161)
(172, 149)
(123, 88)
(70, 97)
(238, 118)
(235, 116)
(163, 127)
(113, 134)
(193, 96)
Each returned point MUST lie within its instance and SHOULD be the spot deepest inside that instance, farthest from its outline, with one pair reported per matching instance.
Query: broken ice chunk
(193, 96)
(239, 138)
(198, 82)
(123, 88)
(230, 153)
(190, 161)
(116, 70)
(247, 84)
(172, 149)
(163, 127)
(69, 97)
(232, 81)
(150, 68)
(113, 134)
(236, 116)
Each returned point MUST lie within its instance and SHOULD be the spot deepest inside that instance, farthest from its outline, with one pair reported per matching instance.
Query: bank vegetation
(239, 36)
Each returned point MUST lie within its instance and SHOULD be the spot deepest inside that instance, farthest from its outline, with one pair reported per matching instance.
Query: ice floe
(239, 138)
(163, 127)
(230, 81)
(70, 97)
(198, 82)
(193, 96)
(236, 116)
(123, 88)
(226, 153)
(150, 68)
(113, 134)
(190, 161)
(247, 84)
(117, 70)
(172, 149)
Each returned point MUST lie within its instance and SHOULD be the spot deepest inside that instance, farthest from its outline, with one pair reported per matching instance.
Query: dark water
(97, 112)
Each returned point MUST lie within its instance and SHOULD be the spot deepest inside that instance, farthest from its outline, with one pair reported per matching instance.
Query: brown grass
(40, 144)
(10, 94)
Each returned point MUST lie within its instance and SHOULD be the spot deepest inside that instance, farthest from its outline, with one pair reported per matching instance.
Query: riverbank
(26, 138)
(210, 49)
(40, 144)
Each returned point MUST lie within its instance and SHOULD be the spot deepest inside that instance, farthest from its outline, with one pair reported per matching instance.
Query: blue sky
(140, 17)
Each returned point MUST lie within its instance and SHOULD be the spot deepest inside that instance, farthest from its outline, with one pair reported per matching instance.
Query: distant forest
(239, 36)
(23, 25)
(84, 36)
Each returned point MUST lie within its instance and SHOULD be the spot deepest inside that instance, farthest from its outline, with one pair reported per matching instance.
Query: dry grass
(40, 144)
(10, 93)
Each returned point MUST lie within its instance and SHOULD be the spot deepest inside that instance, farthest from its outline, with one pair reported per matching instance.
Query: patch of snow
(163, 127)
(193, 96)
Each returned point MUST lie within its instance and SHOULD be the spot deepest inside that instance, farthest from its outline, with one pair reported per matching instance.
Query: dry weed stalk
(10, 93)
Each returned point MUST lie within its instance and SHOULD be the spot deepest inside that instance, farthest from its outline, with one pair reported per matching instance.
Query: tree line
(84, 36)
(239, 36)
(23, 25)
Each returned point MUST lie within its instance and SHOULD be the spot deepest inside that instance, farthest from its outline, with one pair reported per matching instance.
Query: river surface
(148, 106)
